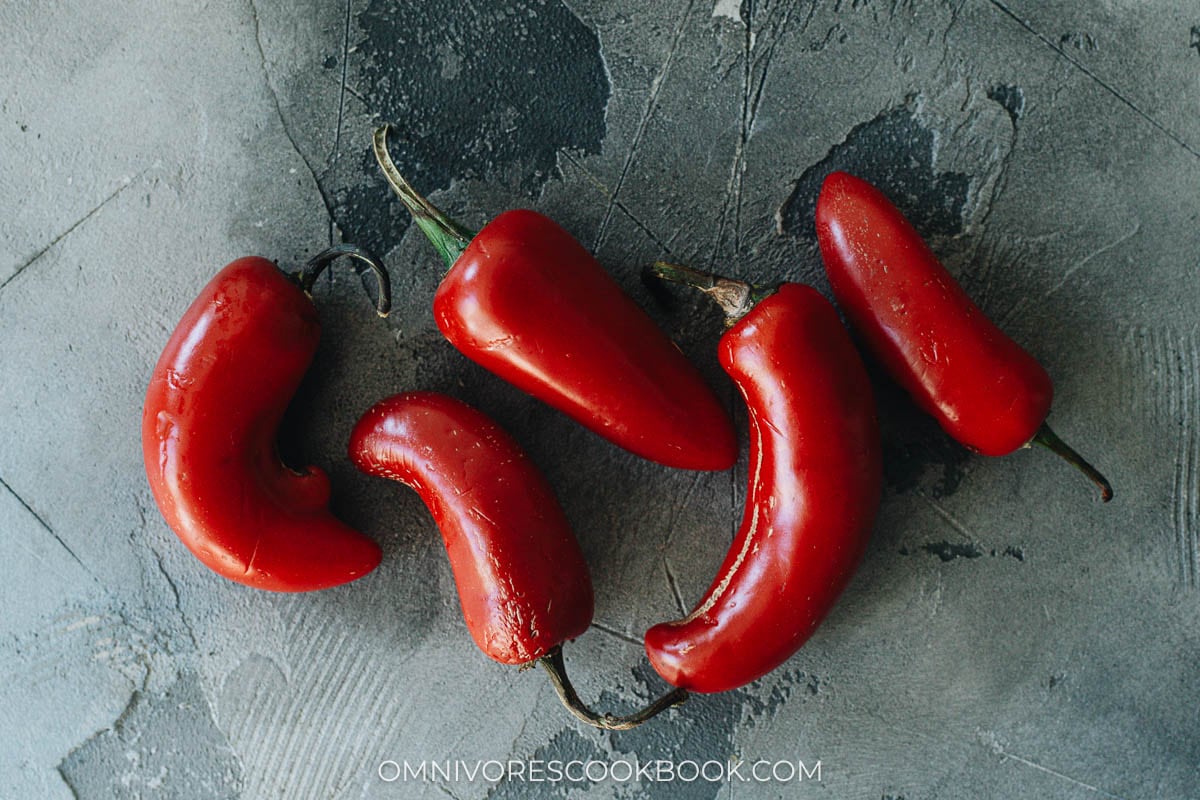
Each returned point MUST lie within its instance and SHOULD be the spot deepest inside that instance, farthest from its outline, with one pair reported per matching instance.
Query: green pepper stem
(556, 668)
(308, 274)
(735, 298)
(447, 236)
(1049, 440)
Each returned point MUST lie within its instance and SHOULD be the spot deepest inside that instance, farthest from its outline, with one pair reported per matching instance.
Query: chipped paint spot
(728, 9)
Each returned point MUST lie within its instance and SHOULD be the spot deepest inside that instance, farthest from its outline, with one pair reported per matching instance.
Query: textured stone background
(1006, 637)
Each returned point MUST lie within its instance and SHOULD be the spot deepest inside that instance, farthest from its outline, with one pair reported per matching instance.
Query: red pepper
(209, 425)
(984, 389)
(522, 580)
(526, 301)
(814, 488)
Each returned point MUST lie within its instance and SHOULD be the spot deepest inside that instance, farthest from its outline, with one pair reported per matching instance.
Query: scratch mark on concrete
(1004, 754)
(1100, 81)
(356, 94)
(678, 509)
(647, 113)
(48, 529)
(674, 585)
(958, 527)
(608, 194)
(604, 627)
(1071, 270)
(29, 262)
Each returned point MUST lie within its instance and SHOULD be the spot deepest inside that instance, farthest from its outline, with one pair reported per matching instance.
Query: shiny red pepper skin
(814, 489)
(209, 424)
(521, 577)
(527, 302)
(530, 304)
(980, 385)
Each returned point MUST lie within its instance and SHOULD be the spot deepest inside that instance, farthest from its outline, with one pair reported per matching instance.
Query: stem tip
(1049, 440)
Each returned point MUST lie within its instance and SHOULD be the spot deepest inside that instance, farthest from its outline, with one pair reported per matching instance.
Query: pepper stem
(553, 663)
(1049, 440)
(735, 298)
(447, 236)
(308, 274)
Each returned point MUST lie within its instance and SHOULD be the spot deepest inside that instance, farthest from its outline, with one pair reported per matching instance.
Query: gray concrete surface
(1006, 637)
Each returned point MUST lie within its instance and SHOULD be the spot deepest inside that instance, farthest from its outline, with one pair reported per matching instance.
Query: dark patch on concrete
(164, 746)
(1011, 99)
(791, 684)
(1080, 40)
(948, 551)
(330, 62)
(917, 453)
(895, 153)
(566, 746)
(475, 90)
(1195, 42)
(1016, 552)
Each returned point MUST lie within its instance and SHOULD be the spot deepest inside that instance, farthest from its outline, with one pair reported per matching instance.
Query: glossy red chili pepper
(522, 579)
(813, 492)
(981, 386)
(527, 302)
(209, 425)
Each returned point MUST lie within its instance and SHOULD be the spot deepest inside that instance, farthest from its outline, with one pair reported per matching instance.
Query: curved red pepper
(521, 577)
(522, 580)
(209, 424)
(814, 488)
(526, 301)
(981, 386)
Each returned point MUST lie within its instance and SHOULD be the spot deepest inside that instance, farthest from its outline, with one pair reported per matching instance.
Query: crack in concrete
(647, 113)
(607, 193)
(287, 131)
(49, 530)
(751, 103)
(1102, 83)
(337, 134)
(678, 509)
(1071, 270)
(187, 625)
(674, 585)
(604, 627)
(125, 185)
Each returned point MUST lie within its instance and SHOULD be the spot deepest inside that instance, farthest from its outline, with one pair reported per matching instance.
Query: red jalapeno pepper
(522, 580)
(527, 302)
(984, 389)
(814, 487)
(209, 425)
